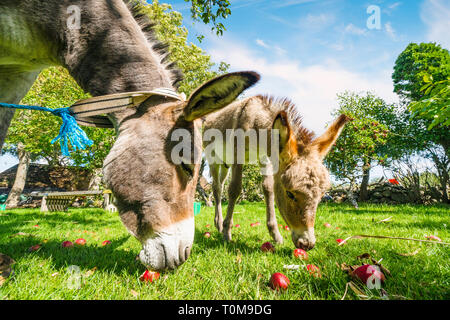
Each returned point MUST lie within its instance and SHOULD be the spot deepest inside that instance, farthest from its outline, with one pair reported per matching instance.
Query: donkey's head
(154, 192)
(302, 179)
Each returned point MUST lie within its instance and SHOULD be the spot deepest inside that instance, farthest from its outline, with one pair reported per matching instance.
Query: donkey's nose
(169, 248)
(304, 244)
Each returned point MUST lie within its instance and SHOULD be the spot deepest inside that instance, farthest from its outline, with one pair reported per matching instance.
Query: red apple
(368, 273)
(208, 225)
(149, 276)
(314, 270)
(106, 242)
(339, 240)
(286, 228)
(36, 247)
(279, 281)
(67, 244)
(255, 224)
(207, 235)
(80, 242)
(327, 225)
(301, 254)
(36, 226)
(237, 226)
(267, 247)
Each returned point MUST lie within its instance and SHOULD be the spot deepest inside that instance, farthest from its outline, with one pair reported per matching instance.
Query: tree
(204, 10)
(420, 77)
(436, 104)
(362, 142)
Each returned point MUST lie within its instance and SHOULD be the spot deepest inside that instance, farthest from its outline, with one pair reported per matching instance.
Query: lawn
(217, 270)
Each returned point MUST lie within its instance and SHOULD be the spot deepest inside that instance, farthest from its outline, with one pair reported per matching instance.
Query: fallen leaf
(410, 254)
(21, 234)
(385, 220)
(363, 256)
(357, 291)
(134, 293)
(90, 272)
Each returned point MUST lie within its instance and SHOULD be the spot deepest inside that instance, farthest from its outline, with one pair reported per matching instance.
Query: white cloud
(352, 29)
(390, 31)
(261, 43)
(394, 5)
(435, 14)
(312, 87)
(277, 49)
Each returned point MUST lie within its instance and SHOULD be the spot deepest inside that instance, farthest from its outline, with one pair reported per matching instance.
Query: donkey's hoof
(278, 239)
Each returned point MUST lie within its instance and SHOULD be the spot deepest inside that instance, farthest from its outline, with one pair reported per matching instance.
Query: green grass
(216, 270)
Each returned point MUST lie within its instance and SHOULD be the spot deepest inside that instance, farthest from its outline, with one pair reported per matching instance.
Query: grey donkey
(300, 179)
(112, 49)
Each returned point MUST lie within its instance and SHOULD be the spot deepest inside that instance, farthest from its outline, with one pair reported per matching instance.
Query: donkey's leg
(218, 173)
(234, 191)
(272, 225)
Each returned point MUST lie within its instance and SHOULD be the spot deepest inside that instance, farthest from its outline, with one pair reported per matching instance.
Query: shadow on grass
(109, 258)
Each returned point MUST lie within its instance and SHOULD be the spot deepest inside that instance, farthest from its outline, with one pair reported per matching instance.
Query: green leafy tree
(420, 77)
(436, 104)
(362, 143)
(211, 11)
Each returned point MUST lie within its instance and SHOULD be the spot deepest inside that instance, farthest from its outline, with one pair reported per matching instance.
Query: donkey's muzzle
(304, 239)
(169, 248)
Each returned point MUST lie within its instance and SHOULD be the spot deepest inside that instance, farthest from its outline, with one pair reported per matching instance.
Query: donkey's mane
(162, 49)
(303, 135)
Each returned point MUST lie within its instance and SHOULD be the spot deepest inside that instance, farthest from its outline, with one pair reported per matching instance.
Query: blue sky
(309, 50)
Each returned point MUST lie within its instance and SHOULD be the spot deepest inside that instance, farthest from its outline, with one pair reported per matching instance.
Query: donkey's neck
(110, 53)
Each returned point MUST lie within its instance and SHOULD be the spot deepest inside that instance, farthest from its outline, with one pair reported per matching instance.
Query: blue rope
(70, 131)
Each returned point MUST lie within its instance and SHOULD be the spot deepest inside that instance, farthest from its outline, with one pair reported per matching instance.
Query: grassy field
(216, 270)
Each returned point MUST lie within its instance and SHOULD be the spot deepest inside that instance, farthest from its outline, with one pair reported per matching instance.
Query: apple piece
(279, 281)
(431, 237)
(149, 276)
(106, 242)
(339, 240)
(237, 226)
(301, 254)
(67, 244)
(267, 247)
(286, 228)
(314, 270)
(80, 242)
(36, 247)
(368, 273)
(327, 225)
(207, 235)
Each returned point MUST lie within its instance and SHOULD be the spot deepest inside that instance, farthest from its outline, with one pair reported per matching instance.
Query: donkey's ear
(218, 93)
(325, 142)
(288, 142)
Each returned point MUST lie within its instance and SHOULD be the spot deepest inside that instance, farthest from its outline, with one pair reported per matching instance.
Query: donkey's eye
(188, 169)
(290, 195)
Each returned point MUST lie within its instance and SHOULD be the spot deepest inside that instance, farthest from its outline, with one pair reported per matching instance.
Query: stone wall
(389, 194)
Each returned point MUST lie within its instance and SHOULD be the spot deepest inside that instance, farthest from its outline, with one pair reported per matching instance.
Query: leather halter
(90, 112)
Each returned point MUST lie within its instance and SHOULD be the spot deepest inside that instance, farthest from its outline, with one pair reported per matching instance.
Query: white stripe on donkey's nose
(169, 248)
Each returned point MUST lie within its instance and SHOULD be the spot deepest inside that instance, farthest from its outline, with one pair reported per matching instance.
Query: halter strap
(90, 112)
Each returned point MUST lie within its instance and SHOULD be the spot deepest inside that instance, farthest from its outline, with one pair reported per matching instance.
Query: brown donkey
(300, 179)
(109, 48)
